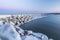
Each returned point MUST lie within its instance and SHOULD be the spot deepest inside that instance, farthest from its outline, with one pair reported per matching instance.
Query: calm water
(49, 25)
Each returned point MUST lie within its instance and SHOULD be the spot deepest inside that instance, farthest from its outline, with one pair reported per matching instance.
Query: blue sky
(30, 5)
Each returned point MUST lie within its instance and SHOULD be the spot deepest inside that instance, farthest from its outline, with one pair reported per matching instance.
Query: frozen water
(1, 22)
(8, 32)
(41, 36)
(31, 38)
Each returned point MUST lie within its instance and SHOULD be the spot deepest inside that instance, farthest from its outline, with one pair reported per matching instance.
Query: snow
(40, 35)
(31, 38)
(8, 32)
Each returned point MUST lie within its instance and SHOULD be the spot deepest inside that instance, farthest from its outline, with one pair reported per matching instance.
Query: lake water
(49, 25)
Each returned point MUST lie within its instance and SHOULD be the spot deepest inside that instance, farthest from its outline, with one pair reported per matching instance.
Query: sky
(42, 6)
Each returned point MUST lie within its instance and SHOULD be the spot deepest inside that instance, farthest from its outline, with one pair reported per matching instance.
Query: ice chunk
(1, 22)
(8, 32)
(31, 38)
(40, 36)
(51, 39)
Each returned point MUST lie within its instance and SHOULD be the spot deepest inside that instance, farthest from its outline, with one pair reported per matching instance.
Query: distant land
(23, 12)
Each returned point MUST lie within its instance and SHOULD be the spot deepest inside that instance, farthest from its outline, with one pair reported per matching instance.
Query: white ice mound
(8, 32)
(31, 38)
